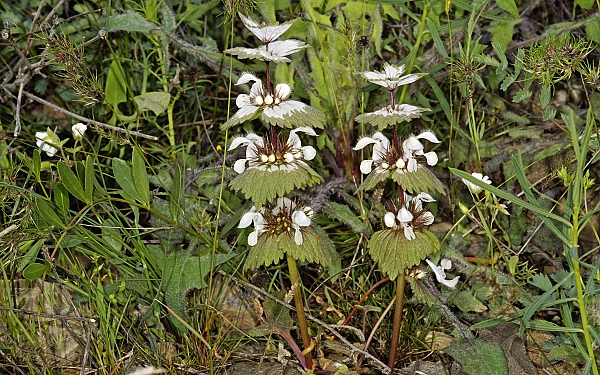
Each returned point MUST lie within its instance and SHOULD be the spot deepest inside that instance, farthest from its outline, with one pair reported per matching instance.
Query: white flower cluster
(385, 158)
(284, 217)
(259, 155)
(273, 50)
(411, 215)
(391, 77)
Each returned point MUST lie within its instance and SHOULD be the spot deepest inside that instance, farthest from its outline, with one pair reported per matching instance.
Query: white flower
(380, 149)
(78, 131)
(391, 115)
(440, 272)
(264, 156)
(255, 217)
(266, 33)
(275, 107)
(298, 218)
(385, 157)
(411, 215)
(413, 147)
(391, 76)
(252, 142)
(46, 142)
(474, 188)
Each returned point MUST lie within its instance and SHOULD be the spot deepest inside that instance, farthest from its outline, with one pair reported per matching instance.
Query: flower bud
(268, 100)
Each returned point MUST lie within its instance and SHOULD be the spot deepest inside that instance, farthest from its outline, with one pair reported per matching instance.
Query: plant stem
(397, 319)
(299, 302)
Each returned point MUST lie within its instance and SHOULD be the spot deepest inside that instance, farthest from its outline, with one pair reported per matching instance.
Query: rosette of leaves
(273, 169)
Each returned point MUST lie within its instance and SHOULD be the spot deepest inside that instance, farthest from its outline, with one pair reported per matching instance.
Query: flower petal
(389, 219)
(299, 218)
(366, 166)
(309, 152)
(248, 77)
(446, 264)
(363, 142)
(431, 157)
(428, 135)
(426, 218)
(298, 237)
(248, 218)
(409, 233)
(253, 238)
(404, 215)
(424, 197)
(412, 165)
(240, 165)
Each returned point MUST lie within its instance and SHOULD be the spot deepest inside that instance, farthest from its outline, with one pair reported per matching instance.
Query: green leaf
(585, 4)
(549, 114)
(262, 186)
(521, 95)
(344, 214)
(478, 357)
(156, 102)
(111, 234)
(565, 353)
(168, 18)
(592, 31)
(545, 94)
(182, 272)
(71, 182)
(175, 193)
(37, 164)
(508, 5)
(421, 180)
(140, 177)
(390, 249)
(130, 21)
(116, 91)
(501, 53)
(34, 271)
(61, 198)
(541, 281)
(30, 254)
(467, 302)
(47, 213)
(124, 177)
(271, 248)
(90, 179)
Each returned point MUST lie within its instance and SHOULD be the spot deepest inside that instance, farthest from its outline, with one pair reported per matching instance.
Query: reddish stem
(364, 297)
(397, 320)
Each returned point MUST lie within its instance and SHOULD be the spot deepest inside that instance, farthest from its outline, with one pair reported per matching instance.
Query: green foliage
(477, 356)
(390, 249)
(263, 186)
(272, 248)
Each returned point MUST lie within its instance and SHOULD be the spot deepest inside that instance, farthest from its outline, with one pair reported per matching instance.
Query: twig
(51, 316)
(86, 351)
(353, 349)
(6, 231)
(87, 120)
(18, 111)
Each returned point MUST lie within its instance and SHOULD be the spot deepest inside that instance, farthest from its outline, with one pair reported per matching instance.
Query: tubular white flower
(255, 217)
(381, 146)
(440, 272)
(299, 219)
(404, 216)
(251, 141)
(78, 131)
(297, 150)
(474, 188)
(391, 76)
(424, 197)
(266, 33)
(46, 141)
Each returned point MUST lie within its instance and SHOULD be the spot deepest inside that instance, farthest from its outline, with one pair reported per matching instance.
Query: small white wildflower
(440, 272)
(46, 142)
(255, 217)
(391, 76)
(474, 188)
(78, 131)
(266, 33)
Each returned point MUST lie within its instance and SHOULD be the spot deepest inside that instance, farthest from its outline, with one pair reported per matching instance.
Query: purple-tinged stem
(397, 320)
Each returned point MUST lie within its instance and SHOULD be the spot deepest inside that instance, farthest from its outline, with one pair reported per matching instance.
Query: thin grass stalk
(397, 319)
(299, 302)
